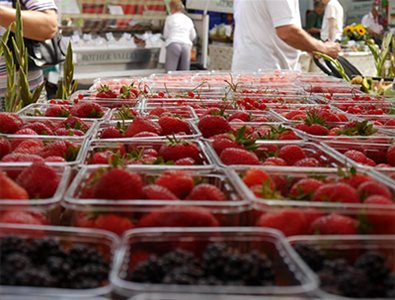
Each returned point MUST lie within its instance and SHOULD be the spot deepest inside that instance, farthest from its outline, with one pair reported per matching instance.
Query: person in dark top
(314, 19)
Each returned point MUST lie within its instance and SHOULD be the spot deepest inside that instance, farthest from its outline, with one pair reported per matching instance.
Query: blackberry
(148, 271)
(336, 266)
(185, 274)
(85, 283)
(260, 270)
(374, 266)
(209, 280)
(177, 258)
(13, 263)
(353, 283)
(312, 256)
(40, 249)
(93, 271)
(214, 260)
(34, 277)
(60, 269)
(389, 286)
(81, 255)
(11, 244)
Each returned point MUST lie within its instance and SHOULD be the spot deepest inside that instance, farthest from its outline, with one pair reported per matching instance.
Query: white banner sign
(224, 6)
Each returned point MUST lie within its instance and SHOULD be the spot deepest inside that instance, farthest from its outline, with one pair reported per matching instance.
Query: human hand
(332, 49)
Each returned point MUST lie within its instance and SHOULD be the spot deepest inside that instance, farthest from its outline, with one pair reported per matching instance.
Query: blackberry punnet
(148, 271)
(313, 257)
(12, 244)
(374, 265)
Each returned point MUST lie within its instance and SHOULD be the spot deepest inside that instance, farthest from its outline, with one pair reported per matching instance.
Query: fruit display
(125, 113)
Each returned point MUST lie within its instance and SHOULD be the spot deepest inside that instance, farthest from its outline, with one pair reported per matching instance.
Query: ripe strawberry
(356, 180)
(205, 191)
(291, 154)
(21, 217)
(113, 223)
(57, 111)
(157, 192)
(74, 123)
(370, 162)
(69, 132)
(39, 180)
(336, 192)
(391, 156)
(334, 224)
(221, 143)
(146, 134)
(55, 159)
(258, 177)
(176, 150)
(173, 125)
(212, 125)
(179, 183)
(64, 149)
(101, 158)
(105, 92)
(304, 189)
(185, 162)
(356, 156)
(381, 221)
(307, 162)
(110, 133)
(158, 111)
(21, 157)
(236, 156)
(317, 129)
(39, 127)
(141, 124)
(29, 146)
(88, 110)
(119, 184)
(10, 122)
(274, 161)
(11, 190)
(5, 147)
(288, 221)
(241, 115)
(288, 135)
(179, 216)
(371, 188)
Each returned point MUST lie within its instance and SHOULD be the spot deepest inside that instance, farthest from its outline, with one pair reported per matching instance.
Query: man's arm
(37, 25)
(332, 29)
(299, 39)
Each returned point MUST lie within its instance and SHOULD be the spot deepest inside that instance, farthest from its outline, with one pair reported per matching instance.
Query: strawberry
(157, 192)
(241, 115)
(119, 184)
(391, 156)
(304, 189)
(288, 135)
(370, 162)
(336, 192)
(274, 161)
(113, 223)
(356, 180)
(179, 183)
(110, 133)
(258, 177)
(11, 190)
(88, 110)
(142, 124)
(69, 132)
(101, 158)
(307, 162)
(317, 129)
(64, 149)
(21, 157)
(221, 143)
(205, 191)
(57, 111)
(39, 127)
(105, 92)
(236, 156)
(175, 150)
(173, 125)
(179, 216)
(334, 224)
(356, 156)
(10, 122)
(21, 217)
(371, 188)
(74, 123)
(212, 125)
(55, 159)
(146, 134)
(291, 154)
(158, 111)
(29, 146)
(382, 221)
(39, 180)
(288, 221)
(5, 147)
(187, 161)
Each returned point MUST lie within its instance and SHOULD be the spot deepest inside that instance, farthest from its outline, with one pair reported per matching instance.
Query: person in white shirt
(371, 21)
(268, 35)
(179, 33)
(332, 24)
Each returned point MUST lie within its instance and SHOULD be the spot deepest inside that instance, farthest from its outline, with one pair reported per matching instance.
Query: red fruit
(274, 161)
(5, 147)
(370, 162)
(303, 127)
(11, 190)
(68, 132)
(356, 180)
(291, 154)
(145, 134)
(307, 162)
(317, 129)
(336, 192)
(39, 127)
(58, 111)
(21, 217)
(236, 156)
(371, 188)
(391, 155)
(105, 92)
(356, 156)
(141, 124)
(21, 157)
(289, 221)
(159, 111)
(101, 158)
(211, 125)
(382, 221)
(55, 159)
(111, 133)
(255, 177)
(304, 188)
(288, 135)
(179, 216)
(113, 223)
(39, 180)
(173, 125)
(185, 162)
(241, 115)
(88, 110)
(179, 183)
(74, 123)
(119, 184)
(157, 192)
(334, 224)
(206, 191)
(29, 146)
(26, 131)
(9, 122)
(174, 151)
(222, 143)
(64, 149)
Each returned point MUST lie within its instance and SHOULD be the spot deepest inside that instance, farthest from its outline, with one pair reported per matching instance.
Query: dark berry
(34, 277)
(353, 283)
(215, 258)
(177, 258)
(40, 249)
(312, 256)
(12, 244)
(260, 270)
(80, 255)
(374, 265)
(186, 274)
(150, 270)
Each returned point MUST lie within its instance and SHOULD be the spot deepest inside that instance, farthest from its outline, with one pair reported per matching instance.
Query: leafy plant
(335, 62)
(68, 85)
(381, 56)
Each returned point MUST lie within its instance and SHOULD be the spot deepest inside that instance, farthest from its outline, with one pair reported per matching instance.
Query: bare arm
(332, 29)
(299, 39)
(37, 25)
(313, 30)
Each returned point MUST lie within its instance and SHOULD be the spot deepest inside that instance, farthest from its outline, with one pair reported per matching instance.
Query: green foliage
(68, 85)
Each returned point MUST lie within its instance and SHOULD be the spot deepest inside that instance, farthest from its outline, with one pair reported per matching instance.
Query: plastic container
(104, 241)
(137, 148)
(172, 296)
(348, 248)
(366, 108)
(116, 83)
(330, 88)
(184, 112)
(253, 116)
(151, 103)
(275, 99)
(292, 276)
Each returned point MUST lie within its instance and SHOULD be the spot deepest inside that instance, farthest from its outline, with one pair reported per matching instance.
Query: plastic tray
(292, 276)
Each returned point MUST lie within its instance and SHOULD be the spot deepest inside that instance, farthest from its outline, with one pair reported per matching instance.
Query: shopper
(268, 35)
(371, 21)
(332, 24)
(179, 33)
(39, 23)
(314, 19)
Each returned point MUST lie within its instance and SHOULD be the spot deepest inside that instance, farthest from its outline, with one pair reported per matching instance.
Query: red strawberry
(11, 190)
(146, 134)
(113, 223)
(64, 149)
(179, 183)
(157, 192)
(206, 191)
(21, 217)
(68, 132)
(288, 135)
(236, 156)
(105, 92)
(158, 112)
(307, 162)
(334, 224)
(381, 220)
(55, 159)
(222, 143)
(391, 155)
(88, 110)
(304, 188)
(75, 123)
(5, 147)
(212, 125)
(241, 115)
(26, 131)
(173, 125)
(255, 177)
(185, 162)
(179, 216)
(336, 192)
(179, 149)
(317, 129)
(101, 158)
(141, 124)
(39, 127)
(21, 157)
(356, 180)
(119, 184)
(58, 111)
(371, 188)
(356, 156)
(291, 154)
(274, 161)
(288, 221)
(39, 180)
(10, 122)
(29, 146)
(110, 133)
